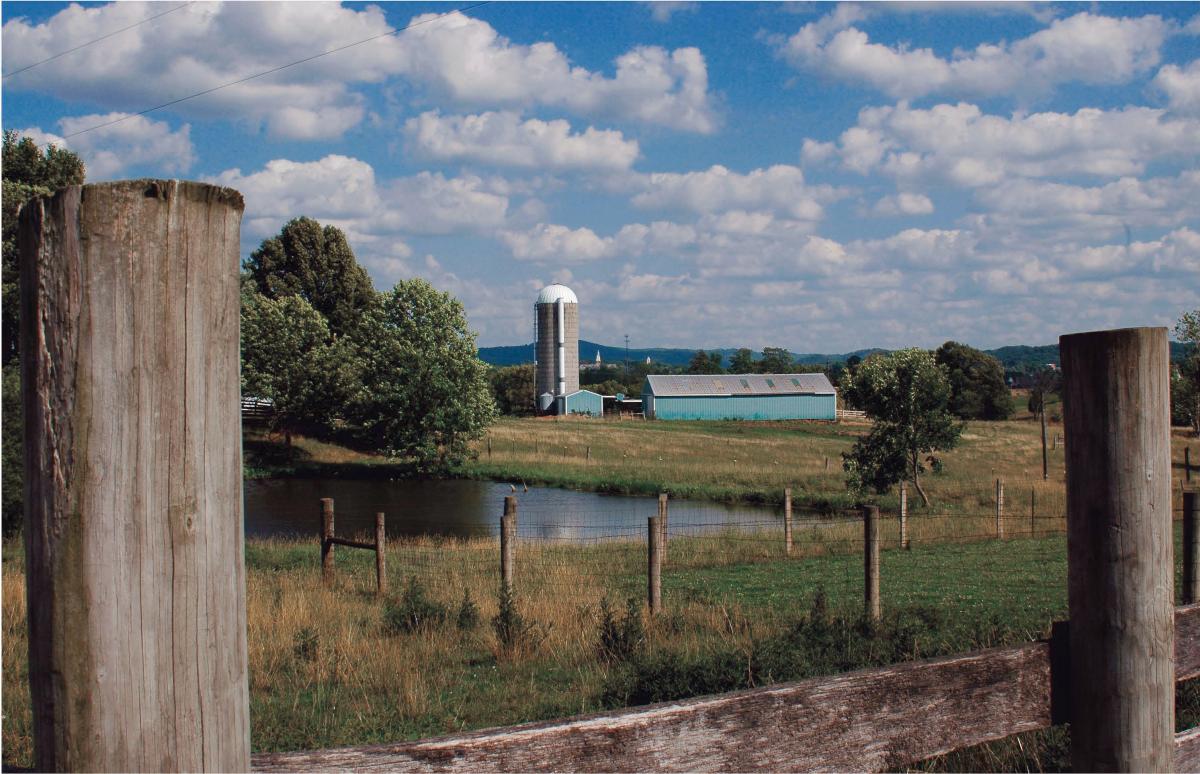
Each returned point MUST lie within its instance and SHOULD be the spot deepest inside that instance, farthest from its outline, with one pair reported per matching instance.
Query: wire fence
(1012, 565)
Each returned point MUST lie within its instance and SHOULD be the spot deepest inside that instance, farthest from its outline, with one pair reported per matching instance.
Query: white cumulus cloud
(137, 142)
(1181, 85)
(1084, 48)
(780, 188)
(503, 139)
(453, 57)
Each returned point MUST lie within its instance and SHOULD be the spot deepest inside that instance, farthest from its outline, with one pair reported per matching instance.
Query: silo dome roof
(552, 293)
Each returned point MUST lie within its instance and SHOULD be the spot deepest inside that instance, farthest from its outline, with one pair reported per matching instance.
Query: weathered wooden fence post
(327, 532)
(999, 509)
(508, 541)
(663, 498)
(380, 555)
(871, 606)
(136, 582)
(904, 543)
(588, 456)
(1119, 543)
(489, 447)
(654, 557)
(1032, 511)
(1191, 547)
(787, 521)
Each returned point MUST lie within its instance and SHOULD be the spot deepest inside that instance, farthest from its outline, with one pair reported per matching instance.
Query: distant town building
(739, 396)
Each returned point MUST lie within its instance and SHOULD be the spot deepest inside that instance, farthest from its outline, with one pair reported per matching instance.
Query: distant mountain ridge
(1013, 358)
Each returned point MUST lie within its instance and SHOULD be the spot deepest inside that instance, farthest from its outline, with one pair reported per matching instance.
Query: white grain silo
(556, 330)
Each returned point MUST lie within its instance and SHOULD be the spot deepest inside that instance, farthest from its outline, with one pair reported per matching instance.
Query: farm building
(581, 402)
(739, 396)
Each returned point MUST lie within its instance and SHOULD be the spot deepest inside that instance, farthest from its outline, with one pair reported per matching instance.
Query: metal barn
(739, 396)
(582, 402)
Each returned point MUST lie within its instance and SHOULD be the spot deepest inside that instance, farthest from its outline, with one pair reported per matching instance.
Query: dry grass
(755, 461)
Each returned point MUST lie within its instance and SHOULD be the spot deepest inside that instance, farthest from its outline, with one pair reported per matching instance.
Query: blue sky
(821, 177)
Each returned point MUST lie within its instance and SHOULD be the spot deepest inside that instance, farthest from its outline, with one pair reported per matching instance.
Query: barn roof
(740, 384)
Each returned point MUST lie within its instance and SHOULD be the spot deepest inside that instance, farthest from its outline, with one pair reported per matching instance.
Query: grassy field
(755, 461)
(335, 666)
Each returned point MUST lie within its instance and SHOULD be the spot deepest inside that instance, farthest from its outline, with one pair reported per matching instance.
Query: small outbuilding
(739, 396)
(582, 402)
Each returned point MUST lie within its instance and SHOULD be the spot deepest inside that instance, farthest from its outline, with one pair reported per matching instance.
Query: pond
(461, 508)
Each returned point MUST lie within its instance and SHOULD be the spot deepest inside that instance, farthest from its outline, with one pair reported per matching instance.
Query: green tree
(742, 362)
(1185, 380)
(907, 394)
(289, 357)
(775, 360)
(977, 386)
(317, 264)
(425, 392)
(513, 389)
(705, 363)
(28, 171)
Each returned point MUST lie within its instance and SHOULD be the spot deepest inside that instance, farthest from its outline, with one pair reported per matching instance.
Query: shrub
(513, 632)
(414, 611)
(623, 639)
(467, 619)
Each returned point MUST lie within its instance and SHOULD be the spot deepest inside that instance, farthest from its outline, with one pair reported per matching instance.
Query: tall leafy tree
(425, 392)
(776, 360)
(706, 363)
(907, 394)
(289, 357)
(316, 264)
(513, 389)
(1185, 381)
(742, 362)
(28, 171)
(977, 386)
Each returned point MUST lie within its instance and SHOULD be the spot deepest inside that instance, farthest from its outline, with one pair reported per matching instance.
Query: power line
(273, 70)
(97, 40)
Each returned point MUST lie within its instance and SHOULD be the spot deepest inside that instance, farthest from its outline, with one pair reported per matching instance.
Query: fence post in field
(663, 497)
(136, 583)
(999, 509)
(904, 543)
(1032, 511)
(489, 447)
(380, 555)
(654, 556)
(508, 541)
(787, 521)
(1045, 459)
(588, 458)
(1119, 549)
(871, 607)
(826, 463)
(1191, 547)
(327, 540)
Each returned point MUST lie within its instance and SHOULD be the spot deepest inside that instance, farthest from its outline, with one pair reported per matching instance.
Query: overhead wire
(97, 40)
(226, 85)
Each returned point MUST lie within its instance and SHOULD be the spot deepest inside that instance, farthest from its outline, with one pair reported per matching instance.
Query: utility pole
(626, 357)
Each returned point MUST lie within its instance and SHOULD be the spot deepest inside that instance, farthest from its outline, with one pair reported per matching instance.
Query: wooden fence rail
(870, 720)
(329, 540)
